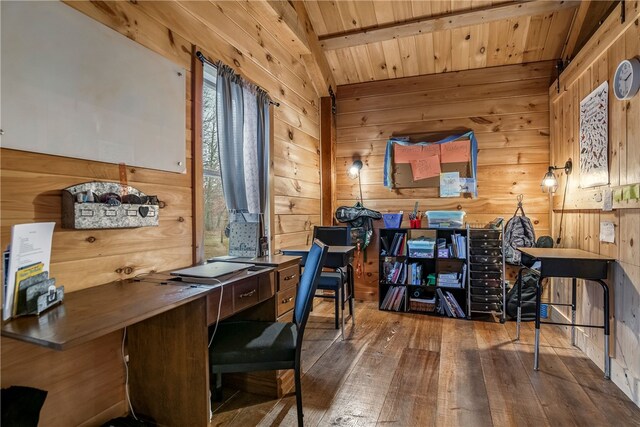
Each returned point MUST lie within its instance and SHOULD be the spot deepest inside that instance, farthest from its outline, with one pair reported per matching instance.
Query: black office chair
(340, 281)
(247, 346)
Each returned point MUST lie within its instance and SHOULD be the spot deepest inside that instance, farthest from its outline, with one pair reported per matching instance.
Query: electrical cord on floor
(126, 378)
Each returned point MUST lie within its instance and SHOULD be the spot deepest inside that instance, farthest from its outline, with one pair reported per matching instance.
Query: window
(235, 158)
(215, 212)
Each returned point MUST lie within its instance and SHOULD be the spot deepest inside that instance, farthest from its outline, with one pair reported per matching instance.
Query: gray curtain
(243, 132)
(230, 112)
(263, 146)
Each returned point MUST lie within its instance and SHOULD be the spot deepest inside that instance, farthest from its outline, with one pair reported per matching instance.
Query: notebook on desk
(211, 270)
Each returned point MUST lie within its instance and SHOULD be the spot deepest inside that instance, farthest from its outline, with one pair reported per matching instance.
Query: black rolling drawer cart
(486, 284)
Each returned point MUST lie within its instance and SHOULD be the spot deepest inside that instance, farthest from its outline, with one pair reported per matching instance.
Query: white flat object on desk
(211, 270)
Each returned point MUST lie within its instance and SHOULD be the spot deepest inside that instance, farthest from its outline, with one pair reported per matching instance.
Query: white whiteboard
(72, 87)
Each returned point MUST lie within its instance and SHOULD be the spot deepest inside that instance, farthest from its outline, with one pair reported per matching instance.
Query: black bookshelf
(411, 290)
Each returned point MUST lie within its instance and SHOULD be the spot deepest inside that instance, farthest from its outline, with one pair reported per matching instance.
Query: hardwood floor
(413, 370)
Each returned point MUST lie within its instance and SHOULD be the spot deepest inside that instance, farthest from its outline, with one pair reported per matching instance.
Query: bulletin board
(414, 162)
(74, 87)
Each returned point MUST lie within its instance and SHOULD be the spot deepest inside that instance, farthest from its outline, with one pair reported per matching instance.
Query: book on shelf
(395, 272)
(454, 304)
(385, 245)
(449, 280)
(394, 298)
(453, 279)
(414, 274)
(444, 306)
(397, 247)
(448, 304)
(458, 246)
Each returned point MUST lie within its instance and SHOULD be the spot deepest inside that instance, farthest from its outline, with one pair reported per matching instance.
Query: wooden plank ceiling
(449, 35)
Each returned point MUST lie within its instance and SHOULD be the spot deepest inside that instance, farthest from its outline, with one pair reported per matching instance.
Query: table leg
(536, 350)
(519, 315)
(341, 306)
(352, 293)
(573, 311)
(607, 359)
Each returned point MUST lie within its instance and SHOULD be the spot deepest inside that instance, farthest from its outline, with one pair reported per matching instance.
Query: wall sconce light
(550, 182)
(354, 172)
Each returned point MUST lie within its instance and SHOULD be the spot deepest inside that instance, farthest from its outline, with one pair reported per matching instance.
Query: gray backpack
(518, 233)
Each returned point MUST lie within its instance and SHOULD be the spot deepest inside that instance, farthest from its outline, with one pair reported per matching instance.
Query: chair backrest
(333, 236)
(308, 284)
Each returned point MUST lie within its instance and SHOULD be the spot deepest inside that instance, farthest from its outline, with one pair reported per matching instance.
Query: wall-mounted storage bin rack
(130, 207)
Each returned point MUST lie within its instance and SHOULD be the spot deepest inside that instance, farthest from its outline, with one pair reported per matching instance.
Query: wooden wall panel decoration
(594, 64)
(31, 184)
(513, 142)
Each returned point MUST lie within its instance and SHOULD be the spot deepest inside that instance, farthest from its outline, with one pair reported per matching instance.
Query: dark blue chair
(339, 281)
(247, 346)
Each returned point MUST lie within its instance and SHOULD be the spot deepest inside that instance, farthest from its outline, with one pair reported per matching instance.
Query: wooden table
(166, 323)
(574, 264)
(337, 256)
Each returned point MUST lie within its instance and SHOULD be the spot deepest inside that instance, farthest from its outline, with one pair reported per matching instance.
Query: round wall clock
(626, 81)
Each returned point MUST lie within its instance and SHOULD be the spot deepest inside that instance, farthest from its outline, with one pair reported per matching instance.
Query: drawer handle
(247, 294)
(286, 300)
(293, 276)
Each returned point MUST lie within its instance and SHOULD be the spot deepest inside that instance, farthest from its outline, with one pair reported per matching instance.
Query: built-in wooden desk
(167, 334)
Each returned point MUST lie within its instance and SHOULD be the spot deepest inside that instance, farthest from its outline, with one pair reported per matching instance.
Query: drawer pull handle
(286, 300)
(290, 277)
(248, 294)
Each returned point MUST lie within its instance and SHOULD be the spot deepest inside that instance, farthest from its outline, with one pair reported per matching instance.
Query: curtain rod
(203, 59)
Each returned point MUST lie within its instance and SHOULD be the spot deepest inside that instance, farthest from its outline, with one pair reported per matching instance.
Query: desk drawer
(486, 275)
(486, 298)
(486, 243)
(486, 267)
(213, 301)
(485, 234)
(487, 251)
(245, 294)
(487, 283)
(482, 306)
(485, 291)
(286, 300)
(486, 259)
(288, 277)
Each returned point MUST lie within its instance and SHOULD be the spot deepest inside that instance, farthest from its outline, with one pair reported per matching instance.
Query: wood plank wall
(507, 107)
(596, 63)
(93, 374)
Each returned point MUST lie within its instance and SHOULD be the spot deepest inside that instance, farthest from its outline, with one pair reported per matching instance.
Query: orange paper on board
(427, 167)
(404, 154)
(456, 151)
(430, 150)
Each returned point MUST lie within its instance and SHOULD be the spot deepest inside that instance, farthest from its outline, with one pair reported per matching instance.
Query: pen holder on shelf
(415, 223)
(103, 205)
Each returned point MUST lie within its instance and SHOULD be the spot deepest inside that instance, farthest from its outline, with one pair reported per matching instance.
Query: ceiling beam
(315, 62)
(285, 24)
(576, 27)
(444, 22)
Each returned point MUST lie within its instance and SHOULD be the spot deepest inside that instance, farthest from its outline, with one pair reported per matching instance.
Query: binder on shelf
(445, 304)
